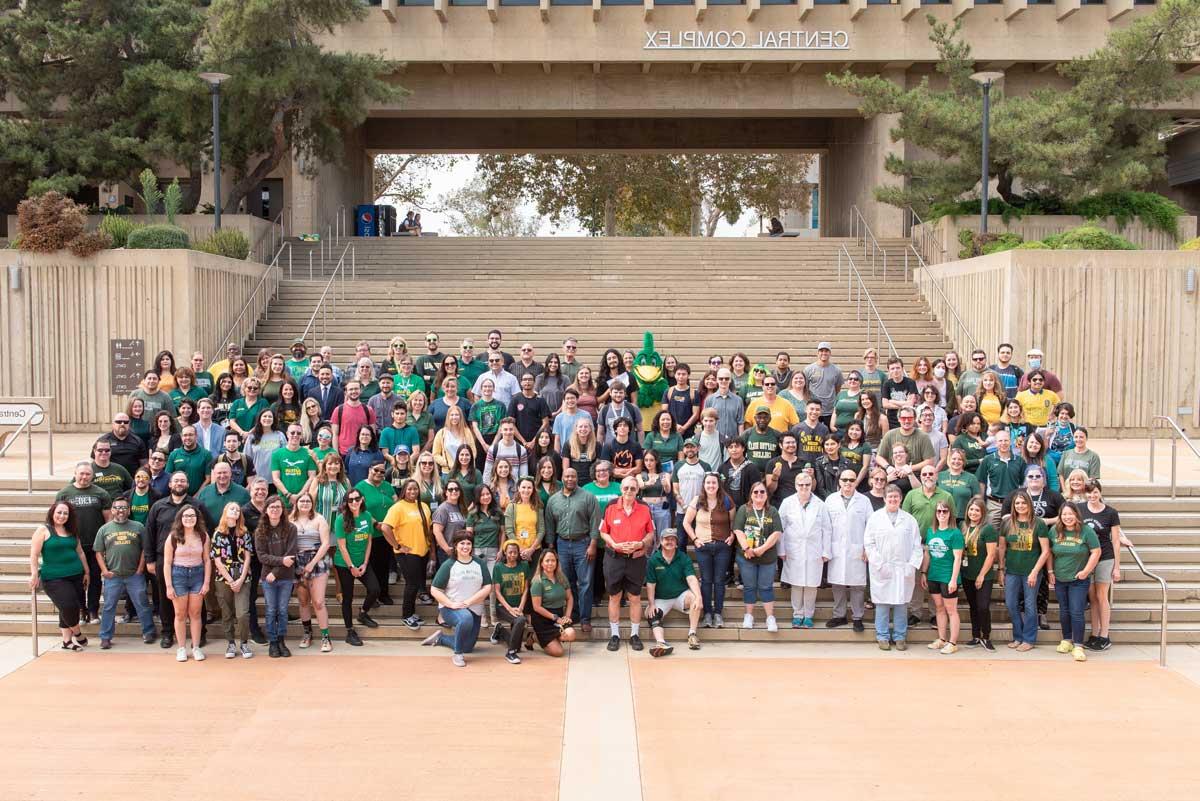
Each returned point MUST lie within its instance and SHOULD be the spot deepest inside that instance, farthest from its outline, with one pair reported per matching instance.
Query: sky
(461, 173)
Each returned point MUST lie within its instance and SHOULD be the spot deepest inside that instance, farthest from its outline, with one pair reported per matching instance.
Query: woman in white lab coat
(848, 513)
(894, 553)
(804, 547)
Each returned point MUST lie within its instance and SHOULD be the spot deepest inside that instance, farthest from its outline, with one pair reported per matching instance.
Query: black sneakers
(635, 642)
(834, 622)
(367, 620)
(614, 643)
(352, 638)
(273, 651)
(513, 658)
(858, 626)
(283, 649)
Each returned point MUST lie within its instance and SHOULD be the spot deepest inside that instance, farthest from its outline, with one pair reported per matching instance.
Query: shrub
(151, 196)
(999, 243)
(90, 243)
(1034, 245)
(1090, 237)
(119, 228)
(49, 222)
(228, 242)
(158, 237)
(1191, 244)
(1156, 212)
(975, 244)
(172, 201)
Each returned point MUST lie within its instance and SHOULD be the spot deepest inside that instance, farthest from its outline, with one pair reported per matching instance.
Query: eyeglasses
(978, 358)
(158, 458)
(722, 378)
(493, 361)
(452, 489)
(804, 486)
(851, 378)
(928, 475)
(628, 489)
(943, 511)
(758, 492)
(526, 350)
(468, 347)
(769, 384)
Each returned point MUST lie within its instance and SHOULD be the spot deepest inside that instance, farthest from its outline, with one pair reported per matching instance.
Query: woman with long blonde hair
(312, 568)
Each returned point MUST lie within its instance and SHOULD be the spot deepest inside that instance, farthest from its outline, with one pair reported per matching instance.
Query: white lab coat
(849, 519)
(894, 554)
(804, 540)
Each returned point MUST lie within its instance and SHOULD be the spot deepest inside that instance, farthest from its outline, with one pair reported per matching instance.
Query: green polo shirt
(213, 500)
(998, 478)
(195, 463)
(247, 415)
(669, 578)
(922, 508)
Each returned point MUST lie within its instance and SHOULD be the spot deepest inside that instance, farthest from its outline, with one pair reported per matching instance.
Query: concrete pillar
(857, 155)
(318, 194)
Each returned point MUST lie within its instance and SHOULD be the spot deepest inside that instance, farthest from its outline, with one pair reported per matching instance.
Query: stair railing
(855, 284)
(940, 306)
(866, 238)
(322, 308)
(268, 284)
(1177, 434)
(1162, 583)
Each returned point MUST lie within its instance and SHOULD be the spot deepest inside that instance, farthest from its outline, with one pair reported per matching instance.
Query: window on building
(778, 2)
(621, 2)
(518, 2)
(725, 2)
(570, 2)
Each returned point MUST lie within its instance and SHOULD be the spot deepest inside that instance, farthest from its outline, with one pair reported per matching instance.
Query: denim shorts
(187, 580)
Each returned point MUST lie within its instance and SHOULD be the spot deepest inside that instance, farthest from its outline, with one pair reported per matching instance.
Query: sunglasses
(845, 480)
(121, 422)
(943, 511)
(452, 489)
(769, 384)
(758, 492)
(355, 499)
(103, 450)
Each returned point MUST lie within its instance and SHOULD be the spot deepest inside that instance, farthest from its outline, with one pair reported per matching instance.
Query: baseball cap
(762, 410)
(823, 345)
(298, 341)
(670, 532)
(695, 443)
(402, 448)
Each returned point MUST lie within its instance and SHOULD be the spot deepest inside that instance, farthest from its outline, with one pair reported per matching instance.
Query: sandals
(72, 646)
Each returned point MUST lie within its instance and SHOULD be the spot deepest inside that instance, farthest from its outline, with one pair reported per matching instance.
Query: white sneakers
(748, 621)
(197, 654)
(181, 654)
(771, 624)
(458, 660)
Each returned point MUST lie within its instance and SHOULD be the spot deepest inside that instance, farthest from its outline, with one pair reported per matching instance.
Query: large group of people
(512, 492)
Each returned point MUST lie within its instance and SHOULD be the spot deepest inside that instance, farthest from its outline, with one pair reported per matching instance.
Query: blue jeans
(714, 564)
(758, 581)
(1023, 615)
(277, 593)
(572, 555)
(1072, 602)
(135, 585)
(897, 616)
(466, 630)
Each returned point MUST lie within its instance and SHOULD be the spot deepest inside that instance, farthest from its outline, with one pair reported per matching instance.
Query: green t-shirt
(975, 449)
(297, 367)
(757, 530)
(512, 581)
(246, 416)
(121, 546)
(761, 448)
(665, 448)
(604, 495)
(293, 467)
(487, 530)
(975, 554)
(378, 500)
(405, 386)
(669, 578)
(487, 415)
(113, 479)
(319, 454)
(962, 488)
(139, 507)
(844, 408)
(552, 593)
(1071, 552)
(1021, 547)
(194, 395)
(89, 504)
(393, 437)
(356, 540)
(941, 544)
(194, 463)
(205, 381)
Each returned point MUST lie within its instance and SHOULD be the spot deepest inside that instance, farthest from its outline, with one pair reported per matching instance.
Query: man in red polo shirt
(627, 530)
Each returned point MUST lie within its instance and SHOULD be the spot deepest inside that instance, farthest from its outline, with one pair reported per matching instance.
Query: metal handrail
(33, 623)
(852, 274)
(1162, 631)
(46, 404)
(915, 223)
(320, 307)
(273, 270)
(1177, 433)
(927, 275)
(858, 225)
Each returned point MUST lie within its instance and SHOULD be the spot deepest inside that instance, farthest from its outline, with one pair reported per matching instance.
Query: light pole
(214, 81)
(985, 79)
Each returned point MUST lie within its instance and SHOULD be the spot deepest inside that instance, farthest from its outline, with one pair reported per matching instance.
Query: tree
(474, 212)
(103, 87)
(287, 95)
(406, 179)
(660, 194)
(1103, 133)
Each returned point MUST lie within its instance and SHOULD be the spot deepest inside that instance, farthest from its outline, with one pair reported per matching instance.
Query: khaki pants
(234, 610)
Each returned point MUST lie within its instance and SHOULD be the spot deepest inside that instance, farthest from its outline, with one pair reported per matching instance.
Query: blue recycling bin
(366, 220)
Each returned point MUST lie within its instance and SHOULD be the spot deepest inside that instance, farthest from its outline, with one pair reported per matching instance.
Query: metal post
(1174, 451)
(1153, 432)
(33, 618)
(353, 263)
(216, 127)
(310, 264)
(289, 262)
(29, 458)
(983, 194)
(50, 438)
(1162, 635)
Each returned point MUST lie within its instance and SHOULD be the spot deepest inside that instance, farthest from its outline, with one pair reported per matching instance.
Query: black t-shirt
(1102, 523)
(786, 486)
(738, 480)
(681, 403)
(897, 391)
(877, 502)
(623, 455)
(1045, 505)
(810, 439)
(582, 465)
(529, 414)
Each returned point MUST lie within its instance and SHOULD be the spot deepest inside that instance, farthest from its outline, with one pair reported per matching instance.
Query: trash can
(387, 220)
(366, 221)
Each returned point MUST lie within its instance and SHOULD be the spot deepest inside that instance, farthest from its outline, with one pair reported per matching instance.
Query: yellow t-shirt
(525, 525)
(991, 407)
(407, 526)
(1038, 407)
(783, 413)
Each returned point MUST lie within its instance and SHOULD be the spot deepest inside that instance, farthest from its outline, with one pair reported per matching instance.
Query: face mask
(1035, 364)
(939, 372)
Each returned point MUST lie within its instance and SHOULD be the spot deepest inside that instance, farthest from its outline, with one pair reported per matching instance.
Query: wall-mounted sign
(741, 40)
(126, 363)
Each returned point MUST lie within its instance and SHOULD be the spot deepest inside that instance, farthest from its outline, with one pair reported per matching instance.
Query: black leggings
(980, 603)
(516, 634)
(67, 595)
(380, 564)
(93, 588)
(347, 578)
(1043, 593)
(412, 571)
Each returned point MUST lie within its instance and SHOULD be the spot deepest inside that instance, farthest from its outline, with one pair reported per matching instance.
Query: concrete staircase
(1166, 533)
(698, 296)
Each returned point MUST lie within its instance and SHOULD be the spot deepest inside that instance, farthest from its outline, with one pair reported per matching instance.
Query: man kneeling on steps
(671, 583)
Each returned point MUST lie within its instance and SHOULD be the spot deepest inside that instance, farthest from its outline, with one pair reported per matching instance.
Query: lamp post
(214, 81)
(985, 79)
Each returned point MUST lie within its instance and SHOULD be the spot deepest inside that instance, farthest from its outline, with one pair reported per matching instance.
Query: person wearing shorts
(628, 531)
(943, 559)
(671, 584)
